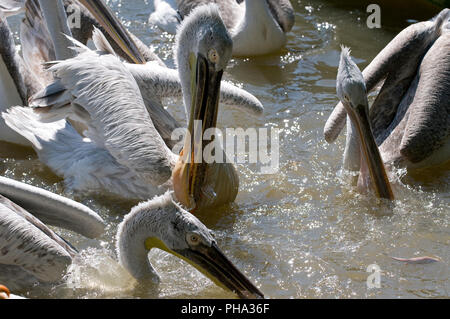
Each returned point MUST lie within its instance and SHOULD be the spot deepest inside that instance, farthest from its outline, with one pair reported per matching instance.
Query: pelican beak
(211, 262)
(4, 292)
(359, 116)
(115, 29)
(190, 172)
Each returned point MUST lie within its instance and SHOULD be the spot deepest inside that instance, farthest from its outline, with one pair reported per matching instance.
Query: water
(300, 233)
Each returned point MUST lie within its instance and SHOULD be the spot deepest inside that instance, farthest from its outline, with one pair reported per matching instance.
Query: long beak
(360, 118)
(216, 266)
(205, 93)
(115, 29)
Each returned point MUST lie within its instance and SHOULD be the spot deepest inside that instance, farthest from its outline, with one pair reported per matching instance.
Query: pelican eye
(193, 239)
(213, 56)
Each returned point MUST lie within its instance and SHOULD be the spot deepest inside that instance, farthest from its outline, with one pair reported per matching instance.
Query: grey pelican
(16, 82)
(163, 224)
(21, 78)
(123, 152)
(6, 294)
(257, 27)
(409, 119)
(30, 252)
(351, 90)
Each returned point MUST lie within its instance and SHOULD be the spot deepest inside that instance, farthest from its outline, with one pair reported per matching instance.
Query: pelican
(257, 27)
(157, 82)
(163, 224)
(81, 28)
(351, 90)
(31, 253)
(43, 41)
(409, 118)
(122, 152)
(159, 223)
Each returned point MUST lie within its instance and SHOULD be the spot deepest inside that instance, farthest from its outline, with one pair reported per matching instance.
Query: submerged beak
(211, 262)
(115, 29)
(360, 118)
(190, 172)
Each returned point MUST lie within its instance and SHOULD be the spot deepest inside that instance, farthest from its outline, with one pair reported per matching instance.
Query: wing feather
(428, 126)
(26, 242)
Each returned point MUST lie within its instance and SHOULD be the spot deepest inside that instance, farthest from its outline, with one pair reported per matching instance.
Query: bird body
(13, 90)
(257, 27)
(410, 117)
(86, 163)
(30, 252)
(104, 96)
(120, 151)
(421, 137)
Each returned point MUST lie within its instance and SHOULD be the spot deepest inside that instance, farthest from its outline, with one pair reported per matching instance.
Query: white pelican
(30, 252)
(410, 117)
(257, 27)
(81, 28)
(123, 152)
(21, 78)
(162, 223)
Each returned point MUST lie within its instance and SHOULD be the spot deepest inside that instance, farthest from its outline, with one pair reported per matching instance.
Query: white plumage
(122, 152)
(30, 252)
(257, 27)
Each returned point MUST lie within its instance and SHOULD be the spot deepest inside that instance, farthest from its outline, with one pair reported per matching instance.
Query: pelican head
(351, 90)
(162, 223)
(203, 49)
(115, 29)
